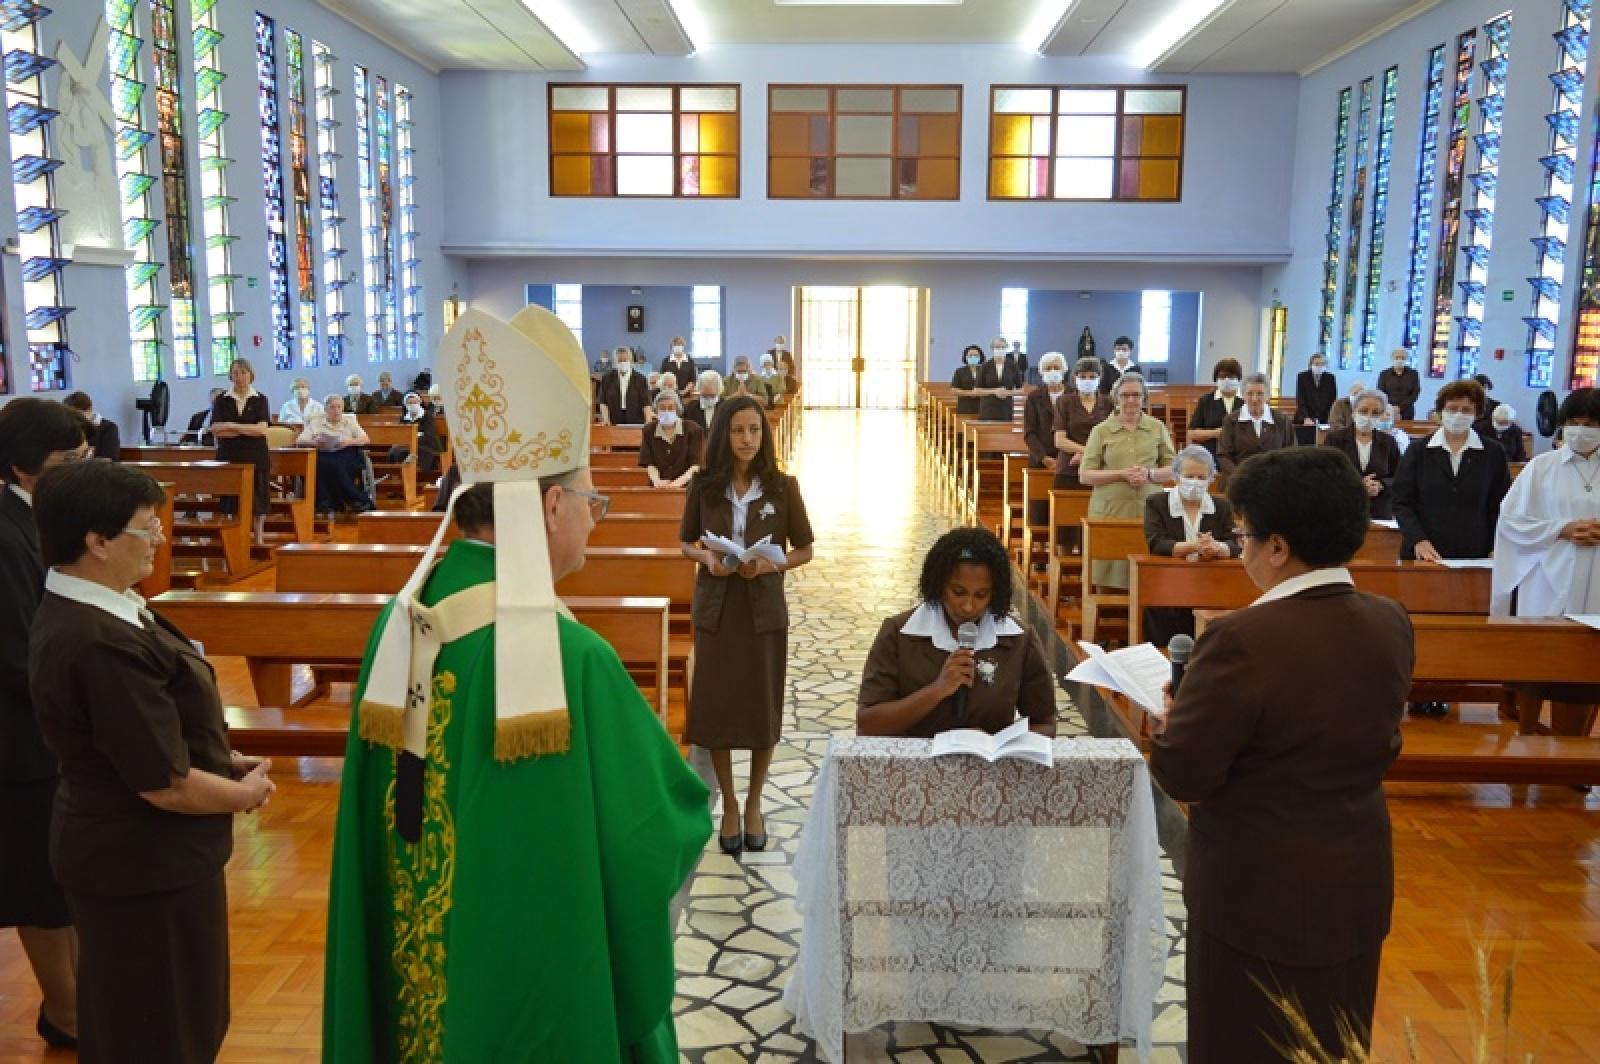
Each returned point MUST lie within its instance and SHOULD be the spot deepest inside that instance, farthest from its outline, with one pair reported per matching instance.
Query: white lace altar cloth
(954, 891)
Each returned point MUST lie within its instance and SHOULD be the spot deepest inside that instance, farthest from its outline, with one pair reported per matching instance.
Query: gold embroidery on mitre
(492, 442)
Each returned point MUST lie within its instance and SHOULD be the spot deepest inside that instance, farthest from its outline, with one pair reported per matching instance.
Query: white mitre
(517, 399)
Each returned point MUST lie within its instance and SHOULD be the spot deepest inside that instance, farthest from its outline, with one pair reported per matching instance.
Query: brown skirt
(153, 973)
(737, 700)
(29, 893)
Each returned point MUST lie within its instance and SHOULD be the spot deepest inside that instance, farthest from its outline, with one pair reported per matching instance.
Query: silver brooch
(986, 671)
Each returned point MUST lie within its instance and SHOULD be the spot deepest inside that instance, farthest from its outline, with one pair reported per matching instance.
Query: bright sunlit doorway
(860, 348)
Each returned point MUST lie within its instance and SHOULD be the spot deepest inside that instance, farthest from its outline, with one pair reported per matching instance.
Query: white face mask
(1501, 426)
(1316, 371)
(1122, 357)
(624, 368)
(1053, 377)
(708, 401)
(1365, 422)
(677, 349)
(998, 353)
(1192, 489)
(1399, 365)
(1455, 422)
(766, 367)
(354, 389)
(668, 418)
(1227, 386)
(303, 393)
(1086, 385)
(1582, 439)
(780, 346)
(741, 375)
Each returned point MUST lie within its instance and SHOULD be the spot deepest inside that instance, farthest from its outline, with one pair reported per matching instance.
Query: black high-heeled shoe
(53, 1035)
(755, 843)
(731, 844)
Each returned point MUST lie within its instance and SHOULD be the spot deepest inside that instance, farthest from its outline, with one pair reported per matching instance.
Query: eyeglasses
(599, 505)
(151, 531)
(1240, 533)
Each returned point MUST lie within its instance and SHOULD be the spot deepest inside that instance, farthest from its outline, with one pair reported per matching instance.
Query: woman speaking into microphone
(958, 660)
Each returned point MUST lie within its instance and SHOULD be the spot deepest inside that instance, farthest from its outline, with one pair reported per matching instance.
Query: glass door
(861, 346)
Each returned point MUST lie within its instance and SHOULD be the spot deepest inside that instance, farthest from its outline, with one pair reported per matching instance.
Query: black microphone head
(967, 636)
(1180, 648)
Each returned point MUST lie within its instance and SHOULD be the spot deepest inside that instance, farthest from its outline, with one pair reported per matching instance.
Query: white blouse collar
(127, 606)
(1244, 413)
(928, 622)
(26, 496)
(1473, 442)
(1305, 582)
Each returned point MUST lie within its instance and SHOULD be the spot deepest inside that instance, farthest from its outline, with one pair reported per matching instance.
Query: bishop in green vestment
(529, 921)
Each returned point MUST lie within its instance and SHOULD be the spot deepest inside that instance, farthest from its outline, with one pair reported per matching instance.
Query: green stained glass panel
(130, 140)
(146, 313)
(219, 201)
(205, 39)
(211, 120)
(119, 13)
(199, 9)
(135, 185)
(126, 97)
(215, 162)
(137, 229)
(140, 273)
(206, 80)
(124, 54)
(220, 240)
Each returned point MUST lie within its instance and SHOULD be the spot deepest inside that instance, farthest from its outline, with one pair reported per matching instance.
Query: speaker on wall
(635, 318)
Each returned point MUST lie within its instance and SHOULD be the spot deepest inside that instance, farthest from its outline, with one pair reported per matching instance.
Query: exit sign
(1507, 295)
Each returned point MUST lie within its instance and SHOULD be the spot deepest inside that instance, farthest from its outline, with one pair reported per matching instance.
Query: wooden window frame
(894, 156)
(1116, 158)
(677, 153)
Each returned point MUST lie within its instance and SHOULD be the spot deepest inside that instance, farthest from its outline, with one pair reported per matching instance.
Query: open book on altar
(738, 555)
(1139, 672)
(1014, 742)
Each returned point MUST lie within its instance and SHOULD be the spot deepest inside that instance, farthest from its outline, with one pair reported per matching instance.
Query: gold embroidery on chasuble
(422, 876)
(497, 444)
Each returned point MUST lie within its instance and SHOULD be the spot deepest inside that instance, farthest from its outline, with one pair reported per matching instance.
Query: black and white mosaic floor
(875, 514)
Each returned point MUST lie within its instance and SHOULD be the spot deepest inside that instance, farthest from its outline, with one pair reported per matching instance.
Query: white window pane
(1086, 135)
(1152, 102)
(862, 177)
(644, 175)
(930, 101)
(643, 99)
(644, 133)
(1022, 101)
(1083, 179)
(877, 101)
(580, 98)
(706, 293)
(708, 99)
(1155, 326)
(800, 100)
(1088, 102)
(865, 135)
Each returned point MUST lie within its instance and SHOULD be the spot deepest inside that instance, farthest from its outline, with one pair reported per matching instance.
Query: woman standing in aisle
(239, 418)
(741, 619)
(1126, 459)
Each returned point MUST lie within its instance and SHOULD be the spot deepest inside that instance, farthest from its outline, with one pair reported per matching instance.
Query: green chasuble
(530, 920)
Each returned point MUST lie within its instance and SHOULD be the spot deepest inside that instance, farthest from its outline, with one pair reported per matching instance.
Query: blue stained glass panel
(1552, 247)
(140, 273)
(41, 266)
(206, 80)
(1485, 181)
(1560, 166)
(18, 14)
(130, 141)
(42, 317)
(1569, 81)
(209, 120)
(22, 64)
(272, 183)
(29, 168)
(1544, 328)
(1488, 148)
(32, 219)
(136, 229)
(205, 39)
(1574, 40)
(1556, 207)
(1477, 254)
(146, 313)
(1473, 291)
(1471, 328)
(25, 117)
(1564, 123)
(1546, 287)
(1422, 200)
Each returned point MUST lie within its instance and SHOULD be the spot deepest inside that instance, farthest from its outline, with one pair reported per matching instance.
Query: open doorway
(861, 346)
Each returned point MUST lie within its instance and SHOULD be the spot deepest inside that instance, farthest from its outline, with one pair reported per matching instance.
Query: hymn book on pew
(1139, 672)
(737, 555)
(1016, 742)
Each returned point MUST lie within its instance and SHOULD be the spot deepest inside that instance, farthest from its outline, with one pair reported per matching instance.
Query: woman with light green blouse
(1128, 458)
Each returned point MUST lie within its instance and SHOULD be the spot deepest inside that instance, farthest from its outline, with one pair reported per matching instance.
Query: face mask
(414, 409)
(353, 389)
(780, 347)
(1122, 357)
(766, 366)
(1316, 371)
(1227, 386)
(304, 393)
(1399, 365)
(1086, 385)
(677, 349)
(1582, 439)
(1502, 426)
(1385, 424)
(741, 375)
(1454, 421)
(708, 402)
(1053, 377)
(668, 418)
(1365, 422)
(973, 360)
(998, 353)
(1192, 489)
(624, 367)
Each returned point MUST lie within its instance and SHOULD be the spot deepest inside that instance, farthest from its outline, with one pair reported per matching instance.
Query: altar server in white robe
(1547, 551)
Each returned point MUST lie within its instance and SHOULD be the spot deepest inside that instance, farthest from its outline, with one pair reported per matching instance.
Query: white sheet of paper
(1140, 672)
(765, 548)
(1467, 563)
(1390, 523)
(1590, 619)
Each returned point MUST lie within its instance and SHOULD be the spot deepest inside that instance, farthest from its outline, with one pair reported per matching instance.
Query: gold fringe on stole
(536, 734)
(384, 725)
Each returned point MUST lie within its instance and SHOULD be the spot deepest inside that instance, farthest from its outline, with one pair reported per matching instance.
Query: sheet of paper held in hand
(1139, 672)
(1014, 742)
(1590, 619)
(729, 549)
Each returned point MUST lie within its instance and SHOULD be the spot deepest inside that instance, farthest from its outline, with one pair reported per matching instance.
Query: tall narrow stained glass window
(372, 286)
(1358, 203)
(568, 300)
(1422, 202)
(272, 185)
(1330, 259)
(38, 238)
(305, 258)
(1586, 334)
(406, 195)
(1485, 182)
(1555, 206)
(216, 203)
(1014, 314)
(174, 186)
(1455, 165)
(333, 279)
(135, 182)
(1380, 214)
(383, 176)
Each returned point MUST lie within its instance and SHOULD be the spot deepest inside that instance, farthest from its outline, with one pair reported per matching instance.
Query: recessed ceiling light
(1185, 16)
(563, 23)
(1042, 24)
(868, 3)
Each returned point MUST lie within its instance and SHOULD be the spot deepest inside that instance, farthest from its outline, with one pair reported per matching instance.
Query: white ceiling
(1243, 36)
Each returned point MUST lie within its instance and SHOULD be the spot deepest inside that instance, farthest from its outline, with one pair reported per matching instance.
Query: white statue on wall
(86, 183)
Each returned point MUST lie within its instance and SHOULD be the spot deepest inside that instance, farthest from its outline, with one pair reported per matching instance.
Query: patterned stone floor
(875, 514)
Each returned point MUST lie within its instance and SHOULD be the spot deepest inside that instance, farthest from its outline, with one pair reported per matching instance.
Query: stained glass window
(305, 268)
(383, 158)
(644, 140)
(1358, 202)
(1586, 334)
(135, 181)
(174, 186)
(1479, 215)
(1330, 259)
(1550, 246)
(216, 203)
(1380, 214)
(877, 142)
(371, 257)
(406, 194)
(1086, 142)
(38, 239)
(1422, 203)
(1455, 165)
(272, 184)
(333, 279)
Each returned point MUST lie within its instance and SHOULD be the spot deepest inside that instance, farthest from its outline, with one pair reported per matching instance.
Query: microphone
(967, 637)
(1179, 650)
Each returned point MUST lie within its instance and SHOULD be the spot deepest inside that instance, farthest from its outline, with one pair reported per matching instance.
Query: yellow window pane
(787, 134)
(935, 179)
(790, 178)
(1011, 135)
(1158, 179)
(570, 176)
(719, 175)
(939, 135)
(1008, 178)
(1163, 135)
(719, 133)
(569, 132)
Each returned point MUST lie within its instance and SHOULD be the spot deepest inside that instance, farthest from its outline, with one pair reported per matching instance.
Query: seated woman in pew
(1187, 521)
(1212, 411)
(428, 445)
(916, 666)
(1547, 548)
(1373, 452)
(1501, 427)
(671, 450)
(299, 406)
(341, 462)
(1253, 430)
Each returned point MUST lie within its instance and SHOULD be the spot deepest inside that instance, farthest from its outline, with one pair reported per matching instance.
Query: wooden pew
(629, 477)
(396, 480)
(294, 491)
(983, 443)
(628, 507)
(160, 578)
(614, 460)
(1029, 551)
(1068, 508)
(1106, 539)
(1381, 545)
(197, 486)
(616, 438)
